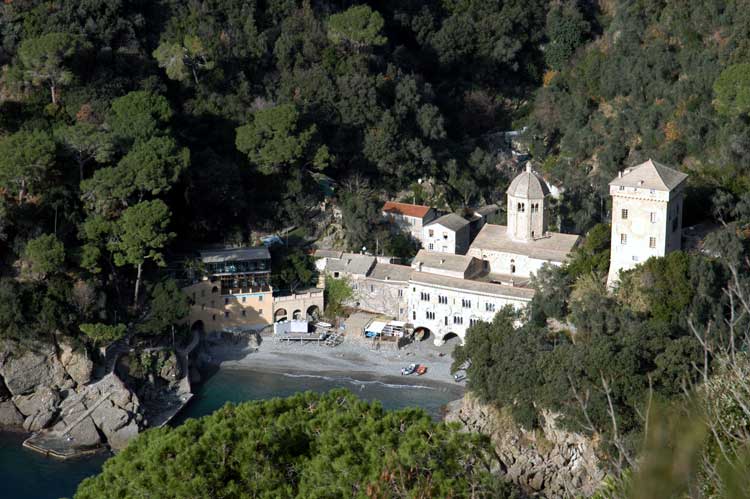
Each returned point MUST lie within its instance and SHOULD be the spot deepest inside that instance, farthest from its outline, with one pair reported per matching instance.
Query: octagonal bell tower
(527, 206)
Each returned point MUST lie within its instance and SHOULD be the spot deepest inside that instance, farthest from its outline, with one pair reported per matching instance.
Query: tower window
(652, 242)
(622, 187)
(635, 258)
(652, 217)
(512, 266)
(624, 214)
(623, 239)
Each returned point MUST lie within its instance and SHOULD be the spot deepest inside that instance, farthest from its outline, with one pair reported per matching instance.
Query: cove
(28, 475)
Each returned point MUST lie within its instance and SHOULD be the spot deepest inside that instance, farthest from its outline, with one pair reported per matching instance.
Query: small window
(424, 296)
(446, 320)
(635, 258)
(431, 232)
(445, 235)
(226, 314)
(214, 290)
(260, 298)
(652, 242)
(414, 315)
(652, 191)
(473, 322)
(624, 214)
(623, 239)
(336, 275)
(489, 307)
(652, 217)
(213, 317)
(443, 300)
(430, 315)
(457, 319)
(431, 246)
(466, 303)
(400, 293)
(244, 313)
(622, 187)
(372, 288)
(244, 299)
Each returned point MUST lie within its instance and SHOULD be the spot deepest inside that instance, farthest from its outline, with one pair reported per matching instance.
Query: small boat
(405, 371)
(421, 369)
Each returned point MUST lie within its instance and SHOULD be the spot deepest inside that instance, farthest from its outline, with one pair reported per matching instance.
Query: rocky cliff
(548, 462)
(59, 387)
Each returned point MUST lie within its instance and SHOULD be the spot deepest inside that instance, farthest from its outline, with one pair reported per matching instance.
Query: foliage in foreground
(309, 445)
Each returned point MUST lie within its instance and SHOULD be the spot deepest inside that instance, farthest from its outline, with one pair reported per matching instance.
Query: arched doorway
(313, 313)
(448, 337)
(279, 315)
(197, 326)
(421, 333)
(297, 314)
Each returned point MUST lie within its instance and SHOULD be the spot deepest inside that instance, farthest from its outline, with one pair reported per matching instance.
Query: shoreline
(353, 359)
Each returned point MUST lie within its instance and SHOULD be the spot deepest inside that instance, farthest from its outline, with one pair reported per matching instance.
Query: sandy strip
(353, 358)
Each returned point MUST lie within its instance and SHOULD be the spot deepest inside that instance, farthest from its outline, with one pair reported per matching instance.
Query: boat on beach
(405, 371)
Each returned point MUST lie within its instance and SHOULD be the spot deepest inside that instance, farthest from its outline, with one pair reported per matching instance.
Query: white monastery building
(410, 218)
(447, 234)
(646, 215)
(518, 250)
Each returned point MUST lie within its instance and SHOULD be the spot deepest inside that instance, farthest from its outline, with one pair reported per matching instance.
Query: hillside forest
(132, 132)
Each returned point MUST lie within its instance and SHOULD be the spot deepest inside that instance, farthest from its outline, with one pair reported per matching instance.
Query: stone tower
(646, 215)
(527, 206)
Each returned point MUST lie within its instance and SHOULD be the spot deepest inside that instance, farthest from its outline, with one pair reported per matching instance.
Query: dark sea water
(28, 475)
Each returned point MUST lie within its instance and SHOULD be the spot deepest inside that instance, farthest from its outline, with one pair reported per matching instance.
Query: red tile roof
(410, 210)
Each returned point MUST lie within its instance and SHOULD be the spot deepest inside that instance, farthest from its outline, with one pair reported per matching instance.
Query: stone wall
(548, 462)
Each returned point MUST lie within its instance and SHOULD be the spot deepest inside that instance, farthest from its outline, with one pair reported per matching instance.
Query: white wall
(500, 262)
(418, 308)
(639, 227)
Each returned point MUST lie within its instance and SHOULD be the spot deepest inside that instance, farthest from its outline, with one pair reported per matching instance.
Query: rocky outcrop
(39, 407)
(110, 407)
(25, 369)
(548, 462)
(77, 363)
(9, 416)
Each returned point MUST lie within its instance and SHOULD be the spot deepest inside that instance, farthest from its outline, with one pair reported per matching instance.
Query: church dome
(528, 185)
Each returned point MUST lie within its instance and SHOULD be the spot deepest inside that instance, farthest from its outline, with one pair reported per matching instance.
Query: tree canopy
(293, 448)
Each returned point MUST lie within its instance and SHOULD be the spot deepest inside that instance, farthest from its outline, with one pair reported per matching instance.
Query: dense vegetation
(308, 445)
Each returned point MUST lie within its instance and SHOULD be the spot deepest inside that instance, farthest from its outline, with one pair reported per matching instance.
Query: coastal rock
(170, 368)
(39, 407)
(548, 461)
(84, 434)
(9, 415)
(76, 363)
(33, 367)
(120, 438)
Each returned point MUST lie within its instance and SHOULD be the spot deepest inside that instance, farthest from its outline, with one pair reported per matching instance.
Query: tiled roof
(650, 175)
(450, 221)
(554, 247)
(472, 286)
(445, 261)
(326, 253)
(528, 185)
(410, 210)
(390, 272)
(351, 263)
(234, 255)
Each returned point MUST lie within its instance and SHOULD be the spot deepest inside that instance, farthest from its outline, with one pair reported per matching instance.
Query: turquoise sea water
(28, 475)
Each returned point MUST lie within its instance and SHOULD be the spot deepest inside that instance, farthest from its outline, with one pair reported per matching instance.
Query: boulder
(84, 434)
(109, 418)
(76, 363)
(25, 369)
(9, 415)
(39, 407)
(119, 439)
(170, 367)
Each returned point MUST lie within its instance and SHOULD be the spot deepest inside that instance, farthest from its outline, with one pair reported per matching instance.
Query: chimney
(619, 174)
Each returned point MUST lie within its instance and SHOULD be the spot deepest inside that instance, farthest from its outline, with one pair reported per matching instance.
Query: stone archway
(280, 315)
(422, 333)
(313, 313)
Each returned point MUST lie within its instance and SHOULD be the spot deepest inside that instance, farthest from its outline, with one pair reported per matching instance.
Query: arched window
(512, 266)
(214, 290)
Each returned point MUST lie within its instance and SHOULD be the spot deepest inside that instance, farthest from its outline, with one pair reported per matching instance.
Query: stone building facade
(410, 218)
(646, 215)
